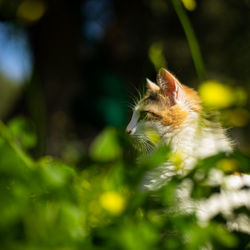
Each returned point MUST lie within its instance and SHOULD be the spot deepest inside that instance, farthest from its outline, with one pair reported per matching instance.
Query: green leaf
(22, 132)
(136, 236)
(54, 173)
(106, 146)
(223, 236)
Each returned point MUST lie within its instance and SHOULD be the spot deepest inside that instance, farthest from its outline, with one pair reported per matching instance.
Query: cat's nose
(128, 131)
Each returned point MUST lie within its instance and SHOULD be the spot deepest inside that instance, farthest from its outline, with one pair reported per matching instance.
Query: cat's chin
(142, 144)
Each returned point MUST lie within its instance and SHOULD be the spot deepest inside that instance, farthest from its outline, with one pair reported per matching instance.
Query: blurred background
(72, 68)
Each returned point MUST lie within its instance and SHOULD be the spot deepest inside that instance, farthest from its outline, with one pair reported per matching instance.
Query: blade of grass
(191, 38)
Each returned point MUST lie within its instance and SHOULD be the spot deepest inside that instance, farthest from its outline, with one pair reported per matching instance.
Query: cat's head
(166, 107)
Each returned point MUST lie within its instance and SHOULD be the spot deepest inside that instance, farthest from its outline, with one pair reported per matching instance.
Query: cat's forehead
(151, 100)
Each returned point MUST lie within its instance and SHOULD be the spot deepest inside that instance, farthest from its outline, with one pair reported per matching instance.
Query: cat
(173, 112)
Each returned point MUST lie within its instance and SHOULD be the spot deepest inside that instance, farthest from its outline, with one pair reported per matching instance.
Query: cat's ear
(170, 86)
(152, 86)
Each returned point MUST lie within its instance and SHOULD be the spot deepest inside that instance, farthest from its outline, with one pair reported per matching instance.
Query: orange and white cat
(173, 112)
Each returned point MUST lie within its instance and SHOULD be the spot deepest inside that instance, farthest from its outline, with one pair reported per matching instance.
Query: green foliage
(106, 147)
(100, 204)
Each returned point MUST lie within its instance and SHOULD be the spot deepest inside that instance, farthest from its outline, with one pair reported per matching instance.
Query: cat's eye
(147, 114)
(152, 114)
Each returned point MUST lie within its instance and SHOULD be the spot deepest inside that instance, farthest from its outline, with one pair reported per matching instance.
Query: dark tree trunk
(54, 40)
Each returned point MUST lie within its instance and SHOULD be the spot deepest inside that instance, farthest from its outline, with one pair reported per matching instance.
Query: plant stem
(191, 38)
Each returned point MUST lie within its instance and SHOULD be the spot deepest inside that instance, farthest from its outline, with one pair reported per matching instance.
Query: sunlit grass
(102, 201)
(191, 38)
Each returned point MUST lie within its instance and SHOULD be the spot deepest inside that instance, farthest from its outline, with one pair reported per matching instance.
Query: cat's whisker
(143, 144)
(131, 106)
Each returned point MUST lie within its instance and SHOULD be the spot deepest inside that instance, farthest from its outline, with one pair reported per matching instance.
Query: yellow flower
(217, 95)
(113, 202)
(176, 159)
(152, 136)
(30, 10)
(228, 165)
(189, 4)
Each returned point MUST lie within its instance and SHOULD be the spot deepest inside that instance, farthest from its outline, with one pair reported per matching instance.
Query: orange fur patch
(174, 116)
(238, 174)
(193, 98)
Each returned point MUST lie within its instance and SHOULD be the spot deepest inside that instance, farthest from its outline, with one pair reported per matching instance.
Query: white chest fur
(191, 142)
